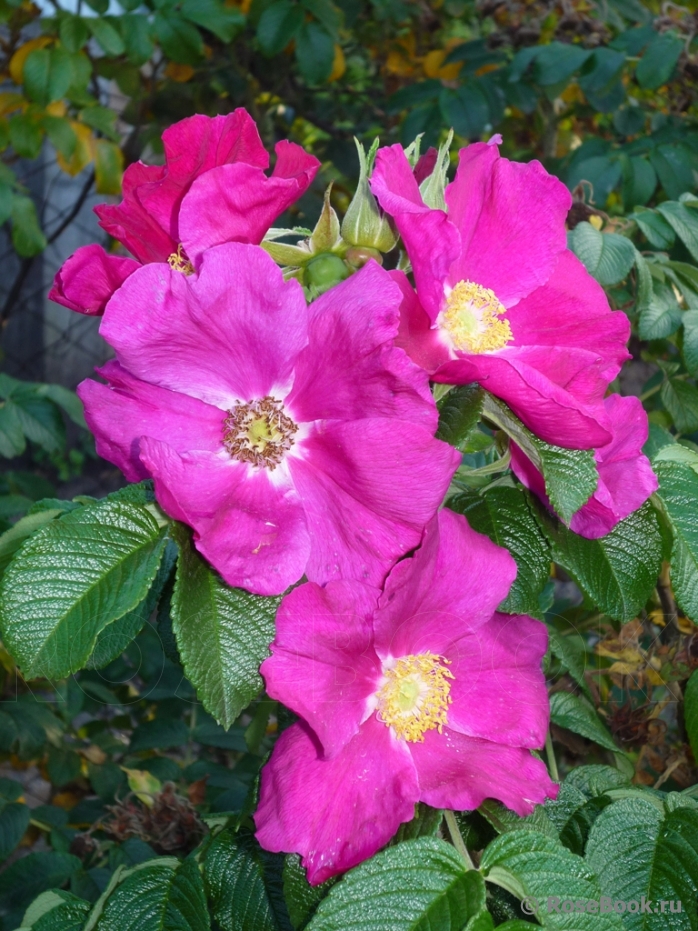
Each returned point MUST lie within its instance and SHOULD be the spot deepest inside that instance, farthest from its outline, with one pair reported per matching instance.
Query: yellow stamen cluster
(259, 432)
(415, 697)
(472, 318)
(179, 262)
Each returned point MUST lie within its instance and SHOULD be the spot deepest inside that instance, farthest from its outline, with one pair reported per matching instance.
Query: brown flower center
(259, 432)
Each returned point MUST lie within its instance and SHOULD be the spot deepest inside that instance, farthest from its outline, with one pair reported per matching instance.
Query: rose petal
(323, 665)
(87, 280)
(451, 585)
(460, 772)
(250, 526)
(498, 689)
(355, 324)
(230, 333)
(335, 813)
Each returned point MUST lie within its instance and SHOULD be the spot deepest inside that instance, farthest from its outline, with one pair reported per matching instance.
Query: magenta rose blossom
(500, 300)
(293, 439)
(420, 693)
(626, 479)
(211, 189)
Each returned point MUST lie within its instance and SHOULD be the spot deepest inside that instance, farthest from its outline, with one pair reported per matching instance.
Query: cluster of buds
(328, 254)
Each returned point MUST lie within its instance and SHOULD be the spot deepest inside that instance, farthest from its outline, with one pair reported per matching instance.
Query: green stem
(457, 838)
(648, 394)
(552, 762)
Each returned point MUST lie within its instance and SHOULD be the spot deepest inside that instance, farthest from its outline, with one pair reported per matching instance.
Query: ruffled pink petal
(626, 479)
(131, 224)
(498, 691)
(323, 665)
(452, 584)
(425, 165)
(548, 409)
(230, 333)
(249, 525)
(238, 203)
(571, 312)
(335, 813)
(369, 487)
(124, 410)
(194, 146)
(416, 336)
(87, 280)
(511, 220)
(354, 324)
(460, 772)
(431, 240)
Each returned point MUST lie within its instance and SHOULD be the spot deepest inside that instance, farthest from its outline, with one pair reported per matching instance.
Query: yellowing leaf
(623, 669)
(627, 654)
(179, 73)
(109, 166)
(402, 56)
(10, 101)
(143, 785)
(83, 153)
(57, 108)
(434, 67)
(339, 65)
(22, 53)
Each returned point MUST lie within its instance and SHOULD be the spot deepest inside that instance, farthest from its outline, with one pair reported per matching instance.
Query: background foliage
(131, 740)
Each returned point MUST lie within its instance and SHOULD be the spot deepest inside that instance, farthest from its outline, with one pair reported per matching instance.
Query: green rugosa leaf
(74, 577)
(56, 910)
(618, 571)
(678, 492)
(607, 256)
(223, 634)
(577, 715)
(415, 886)
(690, 710)
(244, 885)
(158, 895)
(570, 474)
(684, 222)
(503, 514)
(636, 851)
(529, 864)
(459, 413)
(301, 898)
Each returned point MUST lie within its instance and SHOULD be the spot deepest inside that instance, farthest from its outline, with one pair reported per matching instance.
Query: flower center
(415, 697)
(179, 262)
(259, 432)
(472, 318)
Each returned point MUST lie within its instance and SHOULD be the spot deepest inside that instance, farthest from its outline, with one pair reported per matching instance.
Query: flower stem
(552, 762)
(457, 838)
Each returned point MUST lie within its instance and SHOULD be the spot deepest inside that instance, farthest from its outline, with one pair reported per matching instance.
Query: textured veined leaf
(420, 885)
(529, 864)
(459, 413)
(570, 474)
(607, 256)
(678, 491)
(503, 514)
(56, 910)
(690, 710)
(244, 885)
(577, 715)
(157, 896)
(74, 577)
(618, 571)
(641, 855)
(223, 634)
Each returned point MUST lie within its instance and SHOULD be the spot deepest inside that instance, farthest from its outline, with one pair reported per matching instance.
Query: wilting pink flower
(420, 693)
(212, 189)
(293, 439)
(626, 479)
(499, 299)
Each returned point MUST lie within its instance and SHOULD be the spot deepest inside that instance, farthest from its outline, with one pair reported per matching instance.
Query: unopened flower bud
(325, 271)
(364, 224)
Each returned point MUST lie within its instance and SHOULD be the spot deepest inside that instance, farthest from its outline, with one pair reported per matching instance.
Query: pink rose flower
(626, 479)
(293, 439)
(500, 300)
(212, 189)
(420, 693)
